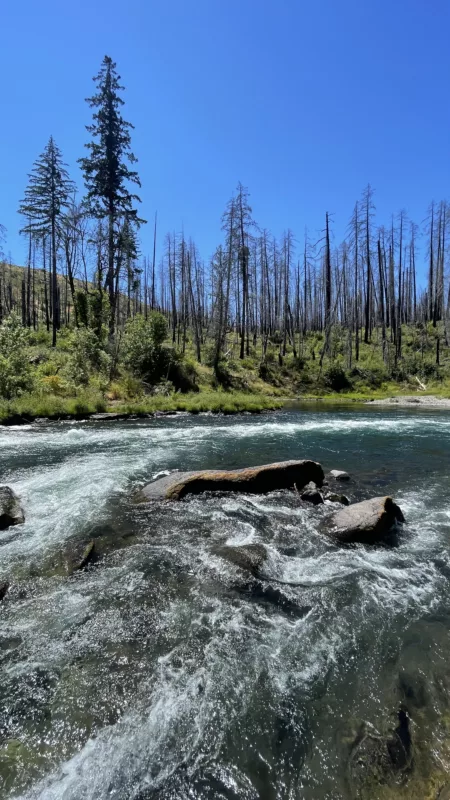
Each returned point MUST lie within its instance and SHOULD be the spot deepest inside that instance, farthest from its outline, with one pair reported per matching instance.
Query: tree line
(84, 265)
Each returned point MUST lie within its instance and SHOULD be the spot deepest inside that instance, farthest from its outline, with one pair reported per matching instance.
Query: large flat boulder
(11, 512)
(366, 522)
(253, 480)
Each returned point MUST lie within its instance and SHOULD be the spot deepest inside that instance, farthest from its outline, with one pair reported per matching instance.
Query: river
(159, 673)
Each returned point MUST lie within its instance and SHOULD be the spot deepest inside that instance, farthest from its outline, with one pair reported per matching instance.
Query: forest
(91, 323)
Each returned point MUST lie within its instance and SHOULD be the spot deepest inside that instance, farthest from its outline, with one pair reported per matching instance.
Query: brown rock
(253, 480)
(365, 522)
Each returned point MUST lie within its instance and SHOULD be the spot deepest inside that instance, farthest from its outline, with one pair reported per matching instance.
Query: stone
(380, 760)
(249, 557)
(337, 498)
(11, 512)
(253, 480)
(311, 494)
(339, 475)
(108, 416)
(4, 586)
(366, 522)
(88, 557)
(273, 596)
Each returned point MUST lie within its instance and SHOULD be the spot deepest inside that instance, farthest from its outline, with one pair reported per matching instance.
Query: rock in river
(365, 522)
(339, 475)
(253, 480)
(337, 498)
(311, 494)
(249, 557)
(11, 512)
(4, 586)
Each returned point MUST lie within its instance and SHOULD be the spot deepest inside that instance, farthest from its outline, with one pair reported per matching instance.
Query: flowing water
(163, 671)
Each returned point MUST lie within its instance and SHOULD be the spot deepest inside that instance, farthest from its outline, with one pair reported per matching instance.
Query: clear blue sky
(304, 101)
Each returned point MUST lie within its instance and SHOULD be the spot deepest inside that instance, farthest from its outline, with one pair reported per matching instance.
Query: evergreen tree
(105, 169)
(47, 196)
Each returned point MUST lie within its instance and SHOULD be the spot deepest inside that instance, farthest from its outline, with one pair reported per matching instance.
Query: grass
(35, 405)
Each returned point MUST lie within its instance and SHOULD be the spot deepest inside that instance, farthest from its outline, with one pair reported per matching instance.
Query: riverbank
(76, 380)
(89, 405)
(426, 400)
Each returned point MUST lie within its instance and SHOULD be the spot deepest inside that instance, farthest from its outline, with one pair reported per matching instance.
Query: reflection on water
(164, 672)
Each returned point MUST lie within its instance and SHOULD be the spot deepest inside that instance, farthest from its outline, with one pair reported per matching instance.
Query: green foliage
(99, 308)
(40, 337)
(266, 371)
(335, 378)
(48, 192)
(298, 363)
(38, 404)
(82, 307)
(374, 377)
(105, 169)
(276, 338)
(86, 357)
(182, 374)
(15, 370)
(143, 351)
(158, 326)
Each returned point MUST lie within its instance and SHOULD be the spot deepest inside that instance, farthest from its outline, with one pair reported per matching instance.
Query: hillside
(63, 381)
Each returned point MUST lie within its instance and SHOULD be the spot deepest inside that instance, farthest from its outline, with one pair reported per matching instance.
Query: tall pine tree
(106, 173)
(46, 199)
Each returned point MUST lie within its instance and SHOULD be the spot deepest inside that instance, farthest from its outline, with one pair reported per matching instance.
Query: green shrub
(143, 351)
(183, 375)
(430, 371)
(298, 363)
(276, 338)
(86, 356)
(82, 307)
(15, 370)
(335, 378)
(372, 376)
(40, 337)
(222, 375)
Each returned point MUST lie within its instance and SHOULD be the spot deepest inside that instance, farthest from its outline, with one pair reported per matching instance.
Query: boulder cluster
(366, 522)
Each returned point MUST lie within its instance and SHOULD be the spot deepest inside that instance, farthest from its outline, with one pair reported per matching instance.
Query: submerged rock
(337, 498)
(11, 512)
(311, 494)
(253, 480)
(108, 416)
(339, 475)
(366, 522)
(250, 557)
(88, 557)
(381, 759)
(4, 586)
(272, 596)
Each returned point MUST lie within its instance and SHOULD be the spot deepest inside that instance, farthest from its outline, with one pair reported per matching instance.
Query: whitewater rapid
(157, 674)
